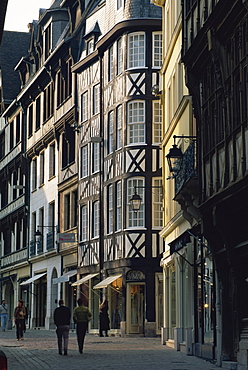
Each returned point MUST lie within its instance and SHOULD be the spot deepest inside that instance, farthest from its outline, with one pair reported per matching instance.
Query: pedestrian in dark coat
(19, 318)
(104, 319)
(62, 316)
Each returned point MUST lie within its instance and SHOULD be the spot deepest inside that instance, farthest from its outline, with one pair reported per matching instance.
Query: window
(136, 122)
(18, 128)
(68, 146)
(74, 208)
(110, 131)
(119, 56)
(42, 168)
(37, 113)
(157, 49)
(34, 174)
(67, 210)
(111, 63)
(119, 4)
(110, 208)
(48, 102)
(136, 50)
(11, 135)
(135, 219)
(48, 41)
(157, 121)
(41, 224)
(157, 203)
(96, 157)
(84, 222)
(90, 46)
(119, 123)
(118, 205)
(96, 219)
(96, 99)
(30, 120)
(52, 160)
(84, 161)
(64, 82)
(84, 106)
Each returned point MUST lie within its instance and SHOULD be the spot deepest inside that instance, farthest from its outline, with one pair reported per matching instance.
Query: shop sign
(179, 242)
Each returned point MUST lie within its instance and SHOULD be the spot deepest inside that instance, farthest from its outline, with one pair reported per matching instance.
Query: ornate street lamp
(135, 202)
(175, 155)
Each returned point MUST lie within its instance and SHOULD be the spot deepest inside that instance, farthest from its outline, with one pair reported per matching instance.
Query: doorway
(136, 308)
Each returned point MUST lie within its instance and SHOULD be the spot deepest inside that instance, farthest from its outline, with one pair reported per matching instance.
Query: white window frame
(111, 63)
(84, 161)
(34, 174)
(157, 202)
(136, 50)
(156, 122)
(84, 106)
(119, 4)
(119, 56)
(157, 47)
(136, 122)
(84, 222)
(118, 205)
(52, 160)
(96, 219)
(42, 168)
(119, 125)
(110, 208)
(96, 99)
(136, 219)
(95, 157)
(110, 132)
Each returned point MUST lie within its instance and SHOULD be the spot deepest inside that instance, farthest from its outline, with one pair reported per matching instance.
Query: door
(136, 303)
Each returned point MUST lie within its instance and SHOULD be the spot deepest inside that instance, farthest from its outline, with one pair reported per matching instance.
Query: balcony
(14, 258)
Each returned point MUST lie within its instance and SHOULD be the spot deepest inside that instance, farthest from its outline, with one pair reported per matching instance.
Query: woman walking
(19, 318)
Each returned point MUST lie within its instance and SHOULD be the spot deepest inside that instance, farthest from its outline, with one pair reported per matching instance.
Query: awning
(33, 278)
(104, 283)
(84, 279)
(179, 242)
(6, 278)
(65, 277)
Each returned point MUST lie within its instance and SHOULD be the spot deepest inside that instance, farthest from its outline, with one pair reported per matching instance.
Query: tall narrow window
(110, 209)
(84, 161)
(11, 135)
(41, 224)
(96, 157)
(67, 210)
(18, 128)
(96, 219)
(37, 113)
(157, 121)
(30, 120)
(118, 205)
(157, 203)
(111, 63)
(74, 208)
(119, 4)
(119, 56)
(136, 122)
(136, 50)
(48, 41)
(2, 145)
(110, 131)
(84, 106)
(84, 223)
(96, 99)
(42, 168)
(34, 174)
(136, 219)
(52, 160)
(157, 49)
(68, 146)
(119, 123)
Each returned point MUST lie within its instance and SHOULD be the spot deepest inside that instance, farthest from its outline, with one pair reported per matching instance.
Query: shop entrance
(136, 308)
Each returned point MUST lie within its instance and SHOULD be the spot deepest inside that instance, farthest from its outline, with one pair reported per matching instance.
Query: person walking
(19, 318)
(4, 314)
(104, 319)
(62, 317)
(81, 316)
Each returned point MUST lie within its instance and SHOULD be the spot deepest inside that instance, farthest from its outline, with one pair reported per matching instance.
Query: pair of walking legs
(4, 318)
(81, 331)
(63, 334)
(20, 323)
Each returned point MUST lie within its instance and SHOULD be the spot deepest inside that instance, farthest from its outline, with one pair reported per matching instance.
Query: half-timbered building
(215, 56)
(119, 135)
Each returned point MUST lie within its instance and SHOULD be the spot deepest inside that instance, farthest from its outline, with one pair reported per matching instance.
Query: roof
(14, 46)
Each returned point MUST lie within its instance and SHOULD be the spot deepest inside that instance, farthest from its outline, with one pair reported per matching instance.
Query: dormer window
(47, 41)
(90, 46)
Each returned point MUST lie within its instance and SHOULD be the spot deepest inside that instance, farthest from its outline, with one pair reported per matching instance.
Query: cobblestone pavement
(39, 352)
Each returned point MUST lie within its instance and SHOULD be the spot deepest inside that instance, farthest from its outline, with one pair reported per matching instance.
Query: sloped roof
(14, 46)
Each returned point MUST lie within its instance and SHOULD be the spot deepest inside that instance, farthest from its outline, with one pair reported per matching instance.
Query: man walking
(81, 316)
(62, 316)
(4, 314)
